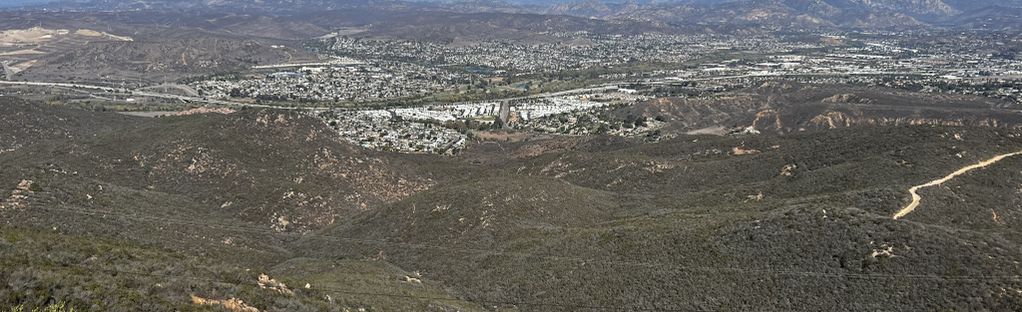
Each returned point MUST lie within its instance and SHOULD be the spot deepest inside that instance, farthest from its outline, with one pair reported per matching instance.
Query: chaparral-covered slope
(177, 213)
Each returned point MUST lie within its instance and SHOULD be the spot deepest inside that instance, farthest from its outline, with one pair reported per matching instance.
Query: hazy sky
(8, 3)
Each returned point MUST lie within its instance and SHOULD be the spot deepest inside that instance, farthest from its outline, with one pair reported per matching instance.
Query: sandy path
(915, 189)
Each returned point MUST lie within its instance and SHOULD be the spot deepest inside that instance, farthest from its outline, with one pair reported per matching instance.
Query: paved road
(189, 91)
(589, 89)
(662, 81)
(673, 80)
(330, 63)
(151, 94)
(603, 87)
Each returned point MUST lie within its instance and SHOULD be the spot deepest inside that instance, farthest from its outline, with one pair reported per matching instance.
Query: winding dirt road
(915, 189)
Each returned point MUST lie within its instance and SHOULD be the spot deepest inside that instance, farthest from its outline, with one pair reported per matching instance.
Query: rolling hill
(109, 212)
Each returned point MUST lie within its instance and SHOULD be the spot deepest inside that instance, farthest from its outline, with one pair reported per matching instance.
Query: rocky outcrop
(231, 304)
(837, 119)
(847, 98)
(19, 196)
(267, 282)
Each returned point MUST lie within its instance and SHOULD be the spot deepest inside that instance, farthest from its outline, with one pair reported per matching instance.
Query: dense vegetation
(143, 214)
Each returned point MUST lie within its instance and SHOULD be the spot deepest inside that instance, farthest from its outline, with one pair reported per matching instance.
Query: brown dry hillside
(785, 107)
(610, 223)
(203, 204)
(26, 123)
(282, 170)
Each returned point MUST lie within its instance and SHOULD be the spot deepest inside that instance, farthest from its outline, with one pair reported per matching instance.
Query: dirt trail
(915, 189)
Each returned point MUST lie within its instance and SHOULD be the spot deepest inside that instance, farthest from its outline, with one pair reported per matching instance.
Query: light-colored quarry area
(21, 49)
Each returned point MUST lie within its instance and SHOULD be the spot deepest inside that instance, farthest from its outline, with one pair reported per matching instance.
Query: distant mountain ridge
(771, 14)
(785, 13)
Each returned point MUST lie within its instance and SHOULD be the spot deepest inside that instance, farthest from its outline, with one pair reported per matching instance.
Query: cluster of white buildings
(422, 129)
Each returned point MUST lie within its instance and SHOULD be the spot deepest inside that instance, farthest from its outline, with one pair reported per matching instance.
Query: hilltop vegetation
(115, 213)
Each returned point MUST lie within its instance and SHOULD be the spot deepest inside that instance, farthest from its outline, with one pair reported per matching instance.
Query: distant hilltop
(770, 14)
